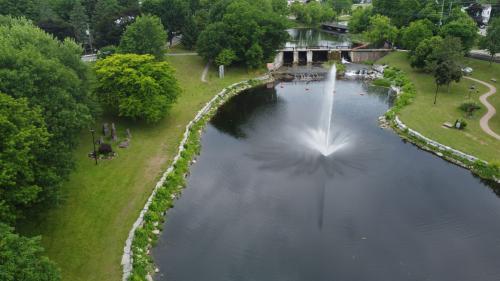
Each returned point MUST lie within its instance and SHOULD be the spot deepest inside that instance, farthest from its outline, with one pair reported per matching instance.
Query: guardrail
(296, 48)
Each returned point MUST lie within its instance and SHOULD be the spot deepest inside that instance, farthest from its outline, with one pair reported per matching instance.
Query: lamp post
(93, 142)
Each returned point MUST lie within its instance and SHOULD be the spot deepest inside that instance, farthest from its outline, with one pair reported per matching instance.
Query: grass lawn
(85, 234)
(427, 118)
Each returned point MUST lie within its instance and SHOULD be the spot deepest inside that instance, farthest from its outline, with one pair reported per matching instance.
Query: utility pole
(93, 142)
(442, 12)
(449, 10)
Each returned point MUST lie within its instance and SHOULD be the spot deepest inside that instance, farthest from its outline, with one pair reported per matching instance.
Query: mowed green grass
(427, 118)
(86, 233)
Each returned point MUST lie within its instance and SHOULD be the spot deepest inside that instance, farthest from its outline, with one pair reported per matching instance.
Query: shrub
(469, 108)
(105, 149)
(225, 57)
(381, 82)
(136, 86)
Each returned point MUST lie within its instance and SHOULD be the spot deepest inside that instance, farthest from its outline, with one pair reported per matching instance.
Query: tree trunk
(436, 95)
(491, 59)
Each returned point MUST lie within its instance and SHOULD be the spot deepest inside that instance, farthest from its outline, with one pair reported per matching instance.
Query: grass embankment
(85, 235)
(423, 116)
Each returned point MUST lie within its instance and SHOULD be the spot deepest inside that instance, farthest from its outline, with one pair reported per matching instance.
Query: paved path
(181, 54)
(491, 109)
(205, 72)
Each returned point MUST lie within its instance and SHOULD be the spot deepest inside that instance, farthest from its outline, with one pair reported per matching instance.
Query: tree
(145, 36)
(280, 7)
(109, 22)
(312, 13)
(435, 50)
(419, 57)
(52, 77)
(341, 6)
(360, 20)
(254, 56)
(464, 28)
(190, 33)
(79, 21)
(491, 42)
(243, 25)
(136, 86)
(22, 148)
(173, 14)
(381, 30)
(446, 72)
(21, 258)
(415, 33)
(226, 57)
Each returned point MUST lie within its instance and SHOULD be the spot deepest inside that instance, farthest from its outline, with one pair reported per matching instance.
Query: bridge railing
(312, 48)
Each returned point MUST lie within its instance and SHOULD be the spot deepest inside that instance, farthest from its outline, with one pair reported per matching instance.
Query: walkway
(181, 54)
(491, 109)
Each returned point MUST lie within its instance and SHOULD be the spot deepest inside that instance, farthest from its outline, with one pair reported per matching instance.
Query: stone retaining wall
(433, 143)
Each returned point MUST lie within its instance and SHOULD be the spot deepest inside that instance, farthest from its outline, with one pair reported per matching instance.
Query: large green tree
(136, 86)
(173, 14)
(23, 146)
(312, 13)
(52, 77)
(340, 6)
(445, 72)
(419, 57)
(464, 28)
(145, 36)
(360, 20)
(247, 28)
(415, 33)
(109, 22)
(381, 31)
(21, 258)
(491, 42)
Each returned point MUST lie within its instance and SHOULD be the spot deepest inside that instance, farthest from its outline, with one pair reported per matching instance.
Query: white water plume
(321, 138)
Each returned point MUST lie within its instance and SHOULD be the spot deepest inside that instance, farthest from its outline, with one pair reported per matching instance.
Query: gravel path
(491, 109)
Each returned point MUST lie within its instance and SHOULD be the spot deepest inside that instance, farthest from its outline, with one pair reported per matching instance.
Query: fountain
(322, 139)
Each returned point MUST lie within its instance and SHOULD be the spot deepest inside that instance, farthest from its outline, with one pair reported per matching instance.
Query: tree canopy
(245, 27)
(313, 13)
(415, 33)
(381, 30)
(21, 258)
(463, 28)
(136, 86)
(145, 36)
(360, 19)
(491, 42)
(22, 146)
(51, 77)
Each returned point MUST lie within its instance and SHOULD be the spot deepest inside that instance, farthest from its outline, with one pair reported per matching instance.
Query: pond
(266, 201)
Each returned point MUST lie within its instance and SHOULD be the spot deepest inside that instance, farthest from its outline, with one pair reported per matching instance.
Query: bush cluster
(399, 79)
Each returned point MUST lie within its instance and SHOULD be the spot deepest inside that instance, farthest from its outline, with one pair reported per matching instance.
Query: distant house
(481, 13)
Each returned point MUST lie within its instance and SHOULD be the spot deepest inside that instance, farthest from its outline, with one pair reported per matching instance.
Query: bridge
(317, 54)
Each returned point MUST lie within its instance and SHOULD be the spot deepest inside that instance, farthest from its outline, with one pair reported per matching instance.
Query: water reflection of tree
(238, 111)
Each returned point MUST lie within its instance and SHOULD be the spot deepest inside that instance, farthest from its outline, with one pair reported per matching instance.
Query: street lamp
(93, 142)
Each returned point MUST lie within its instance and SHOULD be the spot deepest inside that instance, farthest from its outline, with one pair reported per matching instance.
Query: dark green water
(262, 205)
